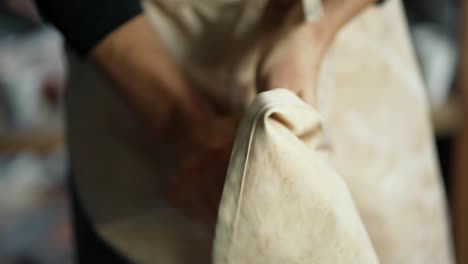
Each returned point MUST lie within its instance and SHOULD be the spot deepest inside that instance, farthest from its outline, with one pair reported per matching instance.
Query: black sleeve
(84, 23)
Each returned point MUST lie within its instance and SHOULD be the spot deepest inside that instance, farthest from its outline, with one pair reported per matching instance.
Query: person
(118, 37)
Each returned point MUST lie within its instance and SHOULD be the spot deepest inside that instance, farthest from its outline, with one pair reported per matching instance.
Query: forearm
(134, 58)
(117, 37)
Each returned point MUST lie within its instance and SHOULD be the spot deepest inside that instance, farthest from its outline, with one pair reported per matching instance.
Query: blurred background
(34, 220)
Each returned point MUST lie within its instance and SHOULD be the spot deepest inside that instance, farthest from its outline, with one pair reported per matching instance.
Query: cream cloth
(282, 203)
(373, 108)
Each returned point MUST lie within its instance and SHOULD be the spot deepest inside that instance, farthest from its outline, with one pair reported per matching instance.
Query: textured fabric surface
(374, 114)
(282, 203)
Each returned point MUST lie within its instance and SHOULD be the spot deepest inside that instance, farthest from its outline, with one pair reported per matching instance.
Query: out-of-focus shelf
(41, 140)
(447, 118)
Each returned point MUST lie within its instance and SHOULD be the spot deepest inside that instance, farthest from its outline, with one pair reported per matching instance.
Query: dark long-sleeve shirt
(84, 23)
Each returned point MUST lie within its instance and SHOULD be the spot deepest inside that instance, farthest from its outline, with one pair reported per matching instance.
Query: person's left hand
(294, 60)
(293, 63)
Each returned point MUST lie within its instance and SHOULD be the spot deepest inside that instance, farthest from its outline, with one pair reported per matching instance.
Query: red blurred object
(53, 89)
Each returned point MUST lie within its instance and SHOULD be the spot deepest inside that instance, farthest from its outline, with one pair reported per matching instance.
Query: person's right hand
(155, 87)
(146, 76)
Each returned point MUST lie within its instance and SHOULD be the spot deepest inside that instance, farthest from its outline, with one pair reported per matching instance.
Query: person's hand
(155, 87)
(151, 82)
(294, 60)
(293, 63)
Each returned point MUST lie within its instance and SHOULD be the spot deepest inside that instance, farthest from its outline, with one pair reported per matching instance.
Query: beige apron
(373, 107)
